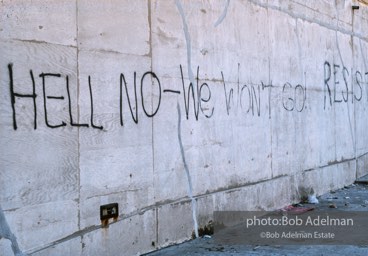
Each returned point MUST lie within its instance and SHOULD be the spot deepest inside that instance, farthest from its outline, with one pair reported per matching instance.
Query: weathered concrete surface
(89, 99)
(350, 198)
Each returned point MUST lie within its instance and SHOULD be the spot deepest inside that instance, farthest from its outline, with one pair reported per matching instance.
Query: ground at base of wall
(349, 198)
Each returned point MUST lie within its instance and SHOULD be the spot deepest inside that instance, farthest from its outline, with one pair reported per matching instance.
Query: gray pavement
(349, 198)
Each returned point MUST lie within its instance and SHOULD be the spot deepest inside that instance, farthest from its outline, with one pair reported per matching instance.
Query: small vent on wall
(107, 212)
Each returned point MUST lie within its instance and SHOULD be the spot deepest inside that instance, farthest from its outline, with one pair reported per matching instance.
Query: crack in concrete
(41, 42)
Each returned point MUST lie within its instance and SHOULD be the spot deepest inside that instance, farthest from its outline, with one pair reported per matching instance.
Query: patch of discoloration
(6, 233)
(223, 15)
(190, 187)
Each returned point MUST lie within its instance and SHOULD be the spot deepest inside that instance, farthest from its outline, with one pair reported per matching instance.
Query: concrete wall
(172, 109)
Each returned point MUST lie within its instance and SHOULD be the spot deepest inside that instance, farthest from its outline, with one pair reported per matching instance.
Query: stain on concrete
(6, 233)
(223, 15)
(190, 186)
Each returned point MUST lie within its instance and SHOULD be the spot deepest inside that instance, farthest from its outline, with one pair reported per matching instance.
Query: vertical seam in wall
(151, 66)
(354, 105)
(294, 115)
(352, 84)
(353, 136)
(149, 12)
(366, 68)
(294, 177)
(342, 62)
(270, 88)
(156, 211)
(78, 109)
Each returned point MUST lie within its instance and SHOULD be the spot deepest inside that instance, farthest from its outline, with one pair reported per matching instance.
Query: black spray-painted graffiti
(248, 96)
(352, 84)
